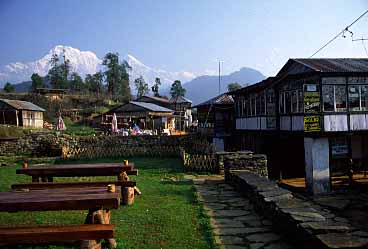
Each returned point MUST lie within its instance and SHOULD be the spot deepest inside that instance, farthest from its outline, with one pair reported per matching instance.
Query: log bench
(89, 234)
(51, 185)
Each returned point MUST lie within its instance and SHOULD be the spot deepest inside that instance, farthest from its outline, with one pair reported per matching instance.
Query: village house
(146, 115)
(181, 106)
(183, 112)
(215, 120)
(21, 113)
(311, 119)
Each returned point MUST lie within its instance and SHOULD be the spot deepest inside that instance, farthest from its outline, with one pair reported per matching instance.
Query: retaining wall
(309, 225)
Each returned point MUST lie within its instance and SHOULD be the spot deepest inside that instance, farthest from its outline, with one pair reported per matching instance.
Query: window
(287, 102)
(300, 101)
(328, 98)
(294, 101)
(262, 103)
(334, 98)
(364, 97)
(259, 104)
(354, 98)
(340, 98)
(254, 106)
(281, 103)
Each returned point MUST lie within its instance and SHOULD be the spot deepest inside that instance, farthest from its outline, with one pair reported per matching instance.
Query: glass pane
(358, 80)
(281, 101)
(364, 94)
(328, 98)
(262, 103)
(340, 98)
(254, 106)
(333, 80)
(300, 101)
(354, 104)
(294, 101)
(258, 105)
(288, 102)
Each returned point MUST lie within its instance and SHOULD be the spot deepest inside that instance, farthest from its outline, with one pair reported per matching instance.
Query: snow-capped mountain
(149, 74)
(86, 62)
(83, 62)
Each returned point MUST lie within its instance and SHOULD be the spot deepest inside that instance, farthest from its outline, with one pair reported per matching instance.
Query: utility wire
(342, 32)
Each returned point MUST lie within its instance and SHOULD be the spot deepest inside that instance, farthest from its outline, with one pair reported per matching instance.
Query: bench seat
(50, 185)
(48, 234)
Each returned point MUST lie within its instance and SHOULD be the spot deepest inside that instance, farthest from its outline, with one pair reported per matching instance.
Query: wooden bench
(52, 234)
(51, 185)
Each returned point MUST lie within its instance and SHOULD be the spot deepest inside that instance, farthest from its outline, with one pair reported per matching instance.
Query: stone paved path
(235, 222)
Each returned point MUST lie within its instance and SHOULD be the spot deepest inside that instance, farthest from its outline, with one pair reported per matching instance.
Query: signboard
(311, 102)
(312, 124)
(340, 150)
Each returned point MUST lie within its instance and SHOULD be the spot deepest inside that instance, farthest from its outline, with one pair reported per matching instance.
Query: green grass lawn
(166, 215)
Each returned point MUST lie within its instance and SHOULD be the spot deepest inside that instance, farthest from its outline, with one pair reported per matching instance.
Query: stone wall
(245, 160)
(309, 225)
(50, 144)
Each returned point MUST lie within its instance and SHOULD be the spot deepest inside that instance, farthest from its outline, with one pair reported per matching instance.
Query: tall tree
(233, 86)
(141, 86)
(155, 87)
(177, 89)
(94, 83)
(37, 82)
(58, 73)
(76, 83)
(9, 88)
(117, 76)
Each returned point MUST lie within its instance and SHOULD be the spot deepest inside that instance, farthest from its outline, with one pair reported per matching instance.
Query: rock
(263, 237)
(220, 223)
(256, 245)
(231, 240)
(307, 216)
(229, 213)
(325, 227)
(341, 240)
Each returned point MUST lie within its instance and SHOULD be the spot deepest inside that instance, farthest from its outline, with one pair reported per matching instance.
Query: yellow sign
(312, 123)
(311, 101)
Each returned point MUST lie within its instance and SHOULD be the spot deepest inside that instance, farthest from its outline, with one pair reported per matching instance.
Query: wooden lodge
(183, 112)
(215, 119)
(311, 119)
(145, 115)
(21, 113)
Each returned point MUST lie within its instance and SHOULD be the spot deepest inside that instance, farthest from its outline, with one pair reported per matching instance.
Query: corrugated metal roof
(154, 98)
(339, 65)
(254, 87)
(179, 99)
(151, 107)
(23, 105)
(223, 99)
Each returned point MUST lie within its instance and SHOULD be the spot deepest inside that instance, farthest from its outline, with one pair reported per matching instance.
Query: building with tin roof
(21, 113)
(311, 119)
(215, 119)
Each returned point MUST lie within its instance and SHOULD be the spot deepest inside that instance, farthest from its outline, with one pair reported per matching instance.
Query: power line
(341, 32)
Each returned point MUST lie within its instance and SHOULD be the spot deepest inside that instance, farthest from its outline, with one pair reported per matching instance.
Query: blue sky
(184, 35)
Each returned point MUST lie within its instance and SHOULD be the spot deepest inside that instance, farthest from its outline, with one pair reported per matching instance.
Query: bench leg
(90, 244)
(36, 179)
(104, 217)
(123, 177)
(100, 217)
